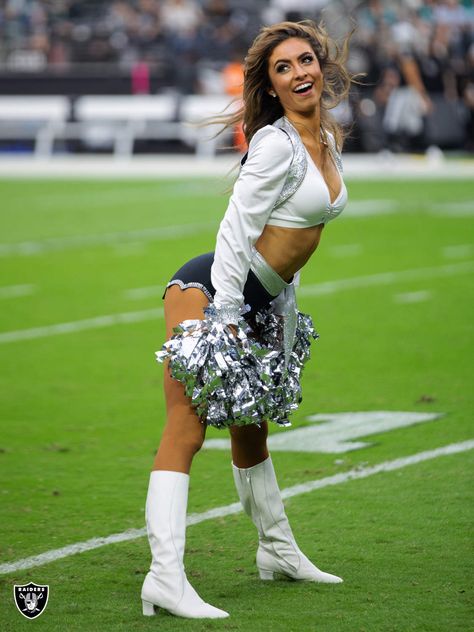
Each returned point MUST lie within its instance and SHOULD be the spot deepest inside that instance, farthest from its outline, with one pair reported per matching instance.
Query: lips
(303, 88)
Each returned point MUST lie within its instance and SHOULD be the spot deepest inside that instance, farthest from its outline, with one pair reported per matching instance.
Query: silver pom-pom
(238, 376)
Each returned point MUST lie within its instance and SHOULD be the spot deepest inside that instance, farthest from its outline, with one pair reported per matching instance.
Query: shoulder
(270, 143)
(271, 137)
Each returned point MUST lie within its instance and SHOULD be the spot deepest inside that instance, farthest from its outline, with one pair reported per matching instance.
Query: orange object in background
(240, 142)
(233, 80)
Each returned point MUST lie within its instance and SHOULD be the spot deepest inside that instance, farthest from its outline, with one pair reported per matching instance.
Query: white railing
(113, 121)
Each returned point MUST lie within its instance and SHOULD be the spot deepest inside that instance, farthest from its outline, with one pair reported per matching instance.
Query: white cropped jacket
(274, 169)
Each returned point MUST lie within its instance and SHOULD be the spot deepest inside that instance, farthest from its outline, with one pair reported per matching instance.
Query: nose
(300, 72)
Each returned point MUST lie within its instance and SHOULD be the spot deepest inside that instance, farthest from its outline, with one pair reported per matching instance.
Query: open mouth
(303, 88)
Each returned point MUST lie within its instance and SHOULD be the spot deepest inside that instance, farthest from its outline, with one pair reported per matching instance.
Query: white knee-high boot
(277, 551)
(166, 585)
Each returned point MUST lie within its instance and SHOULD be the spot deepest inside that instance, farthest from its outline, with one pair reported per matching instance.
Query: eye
(307, 59)
(281, 67)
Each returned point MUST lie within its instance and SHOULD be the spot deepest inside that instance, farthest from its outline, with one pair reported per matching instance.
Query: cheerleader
(236, 343)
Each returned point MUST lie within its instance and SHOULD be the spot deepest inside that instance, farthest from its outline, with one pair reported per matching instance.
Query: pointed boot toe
(166, 585)
(278, 552)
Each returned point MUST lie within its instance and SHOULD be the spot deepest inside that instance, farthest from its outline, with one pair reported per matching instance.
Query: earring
(273, 94)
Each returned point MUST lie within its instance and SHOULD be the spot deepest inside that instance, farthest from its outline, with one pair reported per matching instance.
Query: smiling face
(295, 76)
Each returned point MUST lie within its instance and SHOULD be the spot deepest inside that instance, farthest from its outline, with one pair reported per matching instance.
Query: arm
(412, 76)
(255, 192)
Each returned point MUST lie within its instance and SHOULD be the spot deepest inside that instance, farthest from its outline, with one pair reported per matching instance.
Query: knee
(193, 442)
(185, 440)
(252, 434)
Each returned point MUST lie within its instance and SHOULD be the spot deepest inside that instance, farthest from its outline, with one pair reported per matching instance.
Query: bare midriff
(286, 250)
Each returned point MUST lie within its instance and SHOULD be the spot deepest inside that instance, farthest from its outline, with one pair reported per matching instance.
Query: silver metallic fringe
(239, 378)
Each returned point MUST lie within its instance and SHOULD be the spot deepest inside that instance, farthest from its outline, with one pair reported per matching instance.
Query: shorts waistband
(267, 276)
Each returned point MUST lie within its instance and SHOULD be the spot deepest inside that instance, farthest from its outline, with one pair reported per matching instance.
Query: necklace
(321, 137)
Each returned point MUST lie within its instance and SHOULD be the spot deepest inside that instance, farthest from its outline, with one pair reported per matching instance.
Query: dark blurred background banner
(173, 61)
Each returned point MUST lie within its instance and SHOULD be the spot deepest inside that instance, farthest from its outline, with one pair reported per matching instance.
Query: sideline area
(382, 166)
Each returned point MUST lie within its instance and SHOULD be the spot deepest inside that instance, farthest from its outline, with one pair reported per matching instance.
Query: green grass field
(390, 291)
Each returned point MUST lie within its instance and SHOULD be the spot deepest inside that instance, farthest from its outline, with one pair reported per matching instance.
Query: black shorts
(197, 273)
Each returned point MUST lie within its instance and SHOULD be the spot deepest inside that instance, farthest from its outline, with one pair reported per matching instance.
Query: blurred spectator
(409, 102)
(417, 55)
(467, 92)
(180, 16)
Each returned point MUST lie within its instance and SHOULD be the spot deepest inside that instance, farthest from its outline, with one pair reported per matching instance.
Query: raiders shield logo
(31, 599)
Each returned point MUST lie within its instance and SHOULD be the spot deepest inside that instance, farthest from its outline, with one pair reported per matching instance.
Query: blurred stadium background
(125, 77)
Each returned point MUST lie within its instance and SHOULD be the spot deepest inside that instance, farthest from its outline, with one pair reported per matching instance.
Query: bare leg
(249, 444)
(184, 433)
(166, 584)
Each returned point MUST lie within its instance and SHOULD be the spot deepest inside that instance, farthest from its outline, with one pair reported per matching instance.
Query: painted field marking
(191, 188)
(369, 208)
(113, 197)
(359, 208)
(329, 287)
(129, 249)
(460, 251)
(334, 433)
(12, 291)
(386, 278)
(233, 508)
(135, 294)
(98, 322)
(346, 250)
(412, 297)
(453, 209)
(158, 233)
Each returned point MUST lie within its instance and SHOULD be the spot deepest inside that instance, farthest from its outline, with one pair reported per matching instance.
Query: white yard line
(81, 325)
(227, 510)
(329, 287)
(386, 278)
(157, 233)
(453, 209)
(412, 297)
(139, 293)
(12, 291)
(346, 250)
(460, 251)
(370, 208)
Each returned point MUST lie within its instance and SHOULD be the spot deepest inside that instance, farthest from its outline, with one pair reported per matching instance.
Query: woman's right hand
(232, 329)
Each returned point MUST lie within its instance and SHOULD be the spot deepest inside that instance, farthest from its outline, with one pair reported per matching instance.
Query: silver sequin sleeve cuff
(227, 315)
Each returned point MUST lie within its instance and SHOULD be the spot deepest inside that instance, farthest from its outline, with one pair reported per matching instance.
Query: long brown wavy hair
(259, 108)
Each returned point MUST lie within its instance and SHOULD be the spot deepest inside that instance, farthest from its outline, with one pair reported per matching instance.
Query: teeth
(304, 86)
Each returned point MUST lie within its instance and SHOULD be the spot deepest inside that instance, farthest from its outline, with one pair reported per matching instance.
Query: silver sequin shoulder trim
(299, 162)
(195, 284)
(298, 165)
(335, 153)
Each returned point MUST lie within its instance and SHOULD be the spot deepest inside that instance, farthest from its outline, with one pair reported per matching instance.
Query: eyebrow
(279, 61)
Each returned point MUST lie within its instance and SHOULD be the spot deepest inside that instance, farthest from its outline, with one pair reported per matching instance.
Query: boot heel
(148, 608)
(266, 575)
